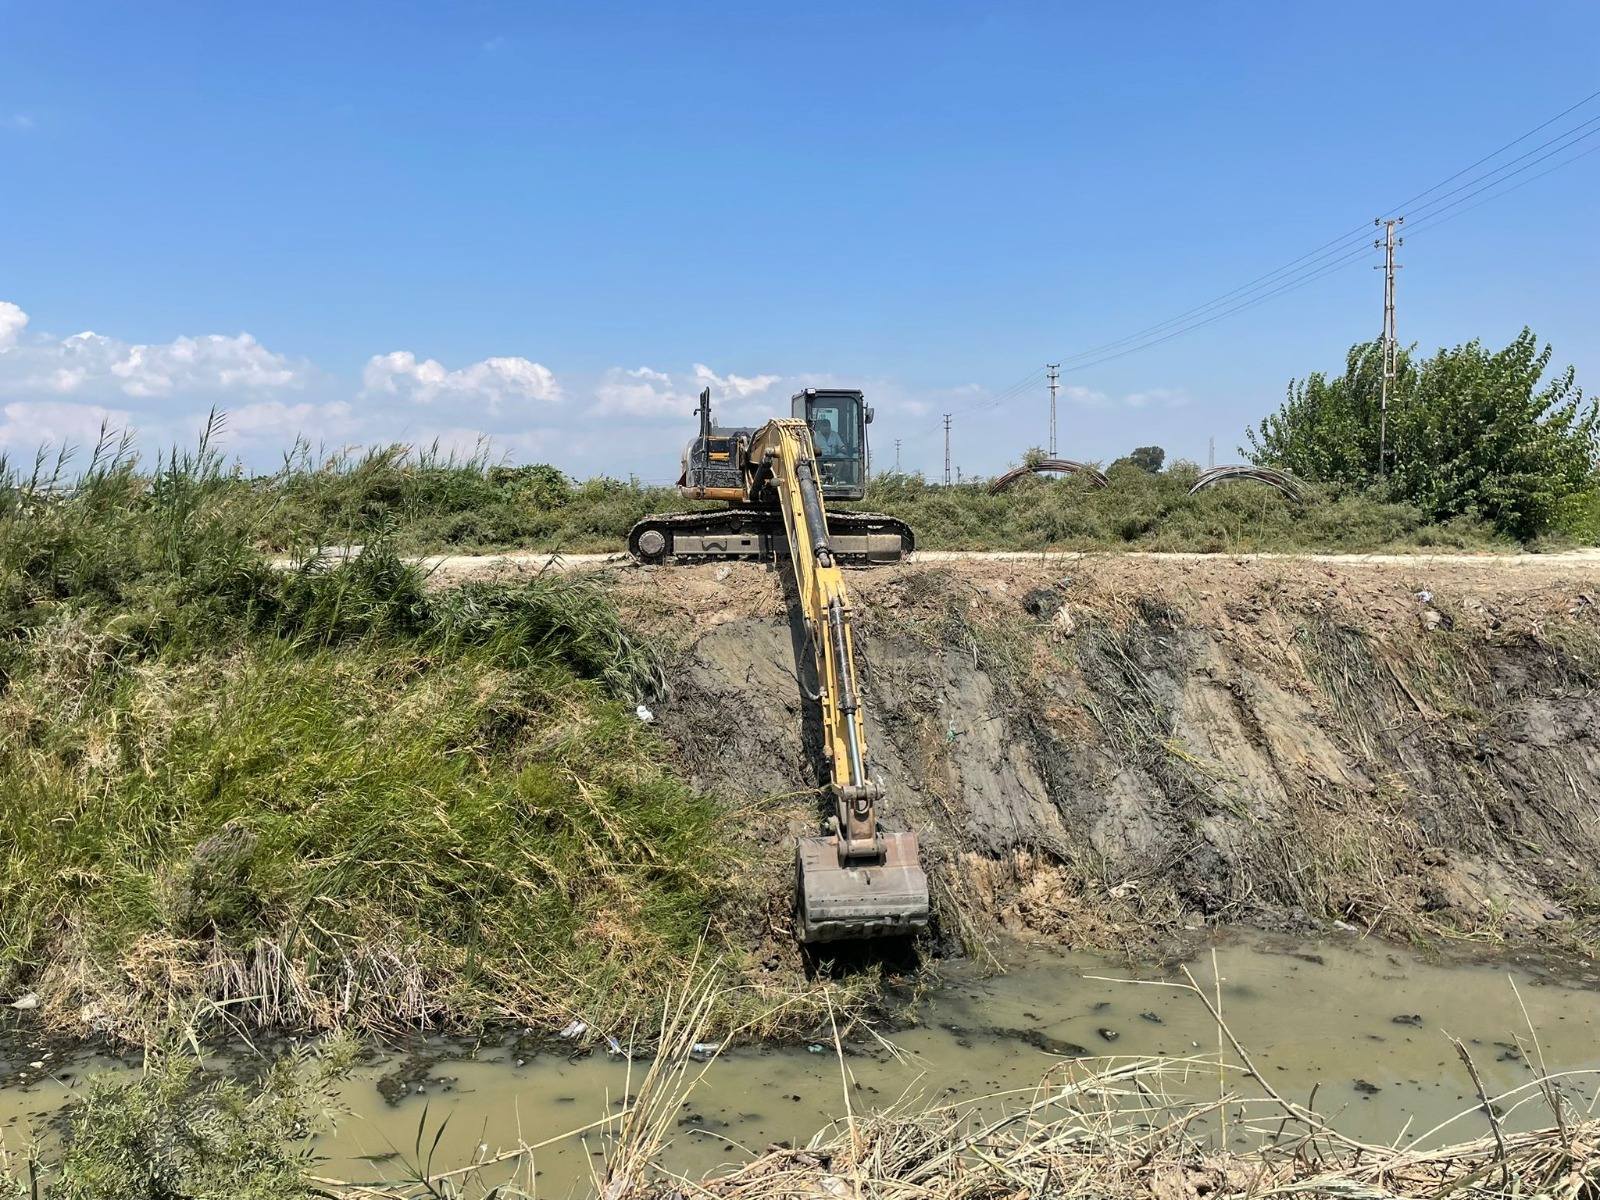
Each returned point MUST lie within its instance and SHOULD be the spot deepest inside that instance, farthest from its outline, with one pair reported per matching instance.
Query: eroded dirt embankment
(1102, 752)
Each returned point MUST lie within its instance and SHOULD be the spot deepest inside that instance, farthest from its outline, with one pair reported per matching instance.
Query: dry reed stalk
(1101, 1146)
(1110, 1129)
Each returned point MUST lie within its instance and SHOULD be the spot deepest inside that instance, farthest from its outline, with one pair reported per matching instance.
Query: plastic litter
(703, 1048)
(614, 1045)
(644, 714)
(576, 1029)
(814, 1049)
(1425, 596)
(26, 1000)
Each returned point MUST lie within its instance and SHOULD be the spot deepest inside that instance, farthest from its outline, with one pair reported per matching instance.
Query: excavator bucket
(835, 902)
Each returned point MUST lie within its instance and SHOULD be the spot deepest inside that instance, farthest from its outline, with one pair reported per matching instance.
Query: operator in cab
(826, 438)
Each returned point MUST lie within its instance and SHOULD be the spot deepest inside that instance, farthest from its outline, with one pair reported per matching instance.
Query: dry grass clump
(1131, 1128)
(1112, 1132)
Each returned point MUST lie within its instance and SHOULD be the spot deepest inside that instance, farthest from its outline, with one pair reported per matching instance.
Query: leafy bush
(174, 1134)
(1470, 432)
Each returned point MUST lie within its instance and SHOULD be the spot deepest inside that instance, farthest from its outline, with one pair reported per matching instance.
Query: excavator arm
(860, 881)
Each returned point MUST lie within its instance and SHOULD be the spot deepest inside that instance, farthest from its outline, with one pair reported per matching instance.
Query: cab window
(835, 426)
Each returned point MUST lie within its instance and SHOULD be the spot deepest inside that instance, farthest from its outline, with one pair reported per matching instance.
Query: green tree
(1148, 458)
(1469, 431)
(1477, 433)
(1327, 429)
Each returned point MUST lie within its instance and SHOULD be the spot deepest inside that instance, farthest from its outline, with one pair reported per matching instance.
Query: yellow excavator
(858, 881)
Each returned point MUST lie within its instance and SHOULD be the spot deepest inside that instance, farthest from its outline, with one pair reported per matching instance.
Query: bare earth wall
(1103, 752)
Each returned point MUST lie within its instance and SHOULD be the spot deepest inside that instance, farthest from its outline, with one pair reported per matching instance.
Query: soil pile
(1103, 752)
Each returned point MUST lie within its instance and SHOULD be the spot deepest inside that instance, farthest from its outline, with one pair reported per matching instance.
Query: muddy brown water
(1365, 1024)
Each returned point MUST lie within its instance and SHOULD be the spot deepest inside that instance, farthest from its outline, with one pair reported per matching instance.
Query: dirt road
(470, 565)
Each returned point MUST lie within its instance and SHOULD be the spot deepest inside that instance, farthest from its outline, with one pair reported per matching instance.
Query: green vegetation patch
(327, 794)
(1144, 510)
(424, 502)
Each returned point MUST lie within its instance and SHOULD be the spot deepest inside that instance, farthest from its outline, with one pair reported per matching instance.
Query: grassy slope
(332, 790)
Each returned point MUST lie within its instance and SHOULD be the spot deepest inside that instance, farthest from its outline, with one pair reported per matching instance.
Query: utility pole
(1211, 452)
(1387, 245)
(897, 456)
(1055, 374)
(947, 449)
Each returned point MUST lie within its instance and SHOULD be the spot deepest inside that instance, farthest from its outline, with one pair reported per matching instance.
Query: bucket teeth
(884, 899)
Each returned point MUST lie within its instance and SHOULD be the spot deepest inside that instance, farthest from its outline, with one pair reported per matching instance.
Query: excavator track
(857, 538)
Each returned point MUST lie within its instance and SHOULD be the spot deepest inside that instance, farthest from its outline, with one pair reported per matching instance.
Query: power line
(1338, 258)
(1504, 175)
(1338, 249)
(1343, 262)
(1437, 220)
(998, 398)
(1341, 243)
(1496, 153)
(1332, 256)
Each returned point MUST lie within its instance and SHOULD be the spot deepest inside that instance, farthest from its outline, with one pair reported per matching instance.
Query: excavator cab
(838, 421)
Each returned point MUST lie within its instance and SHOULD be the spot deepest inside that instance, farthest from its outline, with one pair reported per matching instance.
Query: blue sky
(550, 223)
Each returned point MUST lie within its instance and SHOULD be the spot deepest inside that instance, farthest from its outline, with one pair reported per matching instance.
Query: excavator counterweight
(859, 881)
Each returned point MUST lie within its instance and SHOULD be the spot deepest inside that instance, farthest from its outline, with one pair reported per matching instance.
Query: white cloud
(731, 386)
(491, 382)
(1149, 398)
(646, 392)
(1163, 397)
(188, 364)
(516, 446)
(1075, 394)
(60, 389)
(18, 123)
(284, 422)
(94, 366)
(12, 322)
(641, 392)
(29, 425)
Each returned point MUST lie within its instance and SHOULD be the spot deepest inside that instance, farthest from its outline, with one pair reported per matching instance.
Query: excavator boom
(859, 881)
